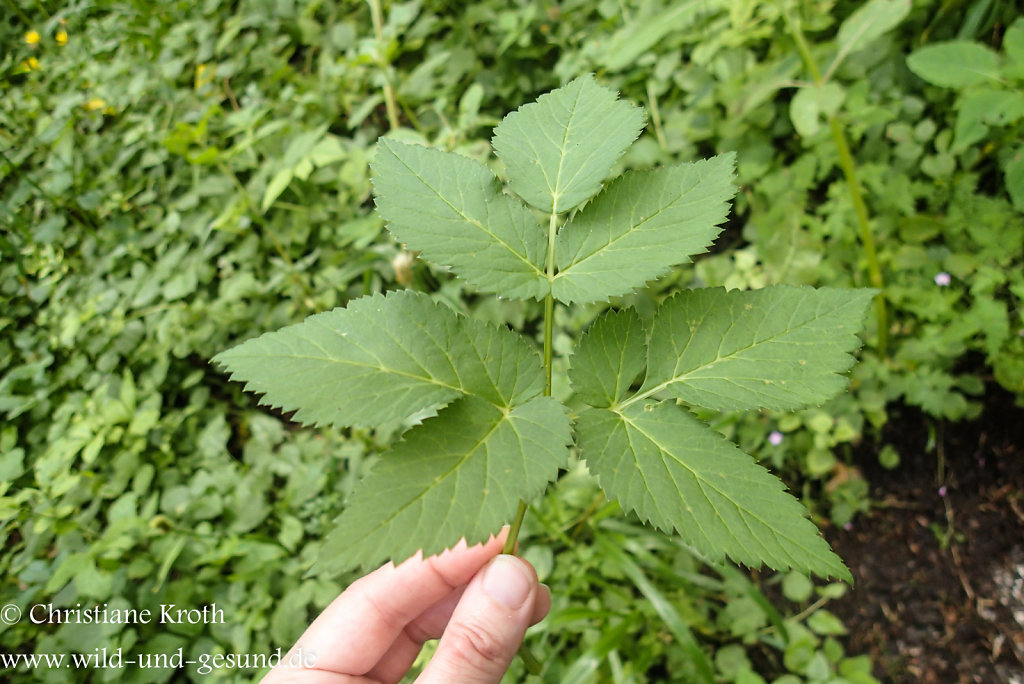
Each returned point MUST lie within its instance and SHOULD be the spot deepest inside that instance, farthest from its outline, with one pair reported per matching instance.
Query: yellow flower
(27, 66)
(95, 104)
(204, 74)
(32, 37)
(61, 37)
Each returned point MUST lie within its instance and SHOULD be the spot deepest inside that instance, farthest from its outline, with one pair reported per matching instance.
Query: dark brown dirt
(939, 563)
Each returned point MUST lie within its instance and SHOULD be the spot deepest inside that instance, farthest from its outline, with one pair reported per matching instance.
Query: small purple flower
(943, 279)
(775, 438)
(848, 526)
(942, 490)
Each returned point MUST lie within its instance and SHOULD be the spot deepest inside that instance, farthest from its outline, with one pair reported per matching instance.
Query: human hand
(478, 602)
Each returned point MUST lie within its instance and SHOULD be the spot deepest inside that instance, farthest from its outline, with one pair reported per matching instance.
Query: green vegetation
(178, 178)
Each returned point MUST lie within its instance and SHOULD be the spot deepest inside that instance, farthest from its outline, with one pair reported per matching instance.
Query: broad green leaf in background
(955, 64)
(641, 225)
(458, 474)
(301, 144)
(779, 347)
(608, 358)
(681, 476)
(275, 187)
(384, 358)
(644, 32)
(452, 209)
(868, 22)
(1013, 43)
(559, 149)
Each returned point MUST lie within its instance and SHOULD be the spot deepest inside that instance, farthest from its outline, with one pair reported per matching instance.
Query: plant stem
(549, 325)
(867, 238)
(549, 314)
(652, 101)
(513, 533)
(533, 666)
(849, 167)
(17, 10)
(390, 101)
(549, 299)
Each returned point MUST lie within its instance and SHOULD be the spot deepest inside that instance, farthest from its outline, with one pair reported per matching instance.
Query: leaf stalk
(530, 662)
(390, 101)
(549, 325)
(849, 167)
(549, 301)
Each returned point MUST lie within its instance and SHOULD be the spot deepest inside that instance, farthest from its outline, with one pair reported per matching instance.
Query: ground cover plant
(176, 179)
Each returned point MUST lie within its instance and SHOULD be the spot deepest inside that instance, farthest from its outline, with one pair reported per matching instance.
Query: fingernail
(506, 582)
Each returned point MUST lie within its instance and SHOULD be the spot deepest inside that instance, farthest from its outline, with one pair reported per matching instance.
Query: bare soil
(939, 562)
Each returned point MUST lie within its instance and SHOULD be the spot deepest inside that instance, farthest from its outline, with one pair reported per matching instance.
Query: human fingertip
(508, 581)
(541, 604)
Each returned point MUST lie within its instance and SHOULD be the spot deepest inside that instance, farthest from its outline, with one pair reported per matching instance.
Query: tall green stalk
(849, 167)
(530, 662)
(549, 326)
(390, 101)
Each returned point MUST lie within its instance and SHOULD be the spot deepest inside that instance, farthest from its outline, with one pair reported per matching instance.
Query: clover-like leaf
(678, 474)
(559, 149)
(459, 474)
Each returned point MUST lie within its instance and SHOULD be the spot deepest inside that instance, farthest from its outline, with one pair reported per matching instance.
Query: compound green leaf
(955, 64)
(559, 149)
(382, 359)
(680, 475)
(453, 211)
(780, 347)
(608, 358)
(640, 226)
(458, 474)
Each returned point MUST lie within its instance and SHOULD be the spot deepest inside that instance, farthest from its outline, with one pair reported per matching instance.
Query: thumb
(487, 627)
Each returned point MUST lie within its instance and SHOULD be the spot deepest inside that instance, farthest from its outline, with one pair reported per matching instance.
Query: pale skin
(478, 601)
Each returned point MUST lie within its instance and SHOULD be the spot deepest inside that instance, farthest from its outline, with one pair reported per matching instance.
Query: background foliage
(176, 178)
